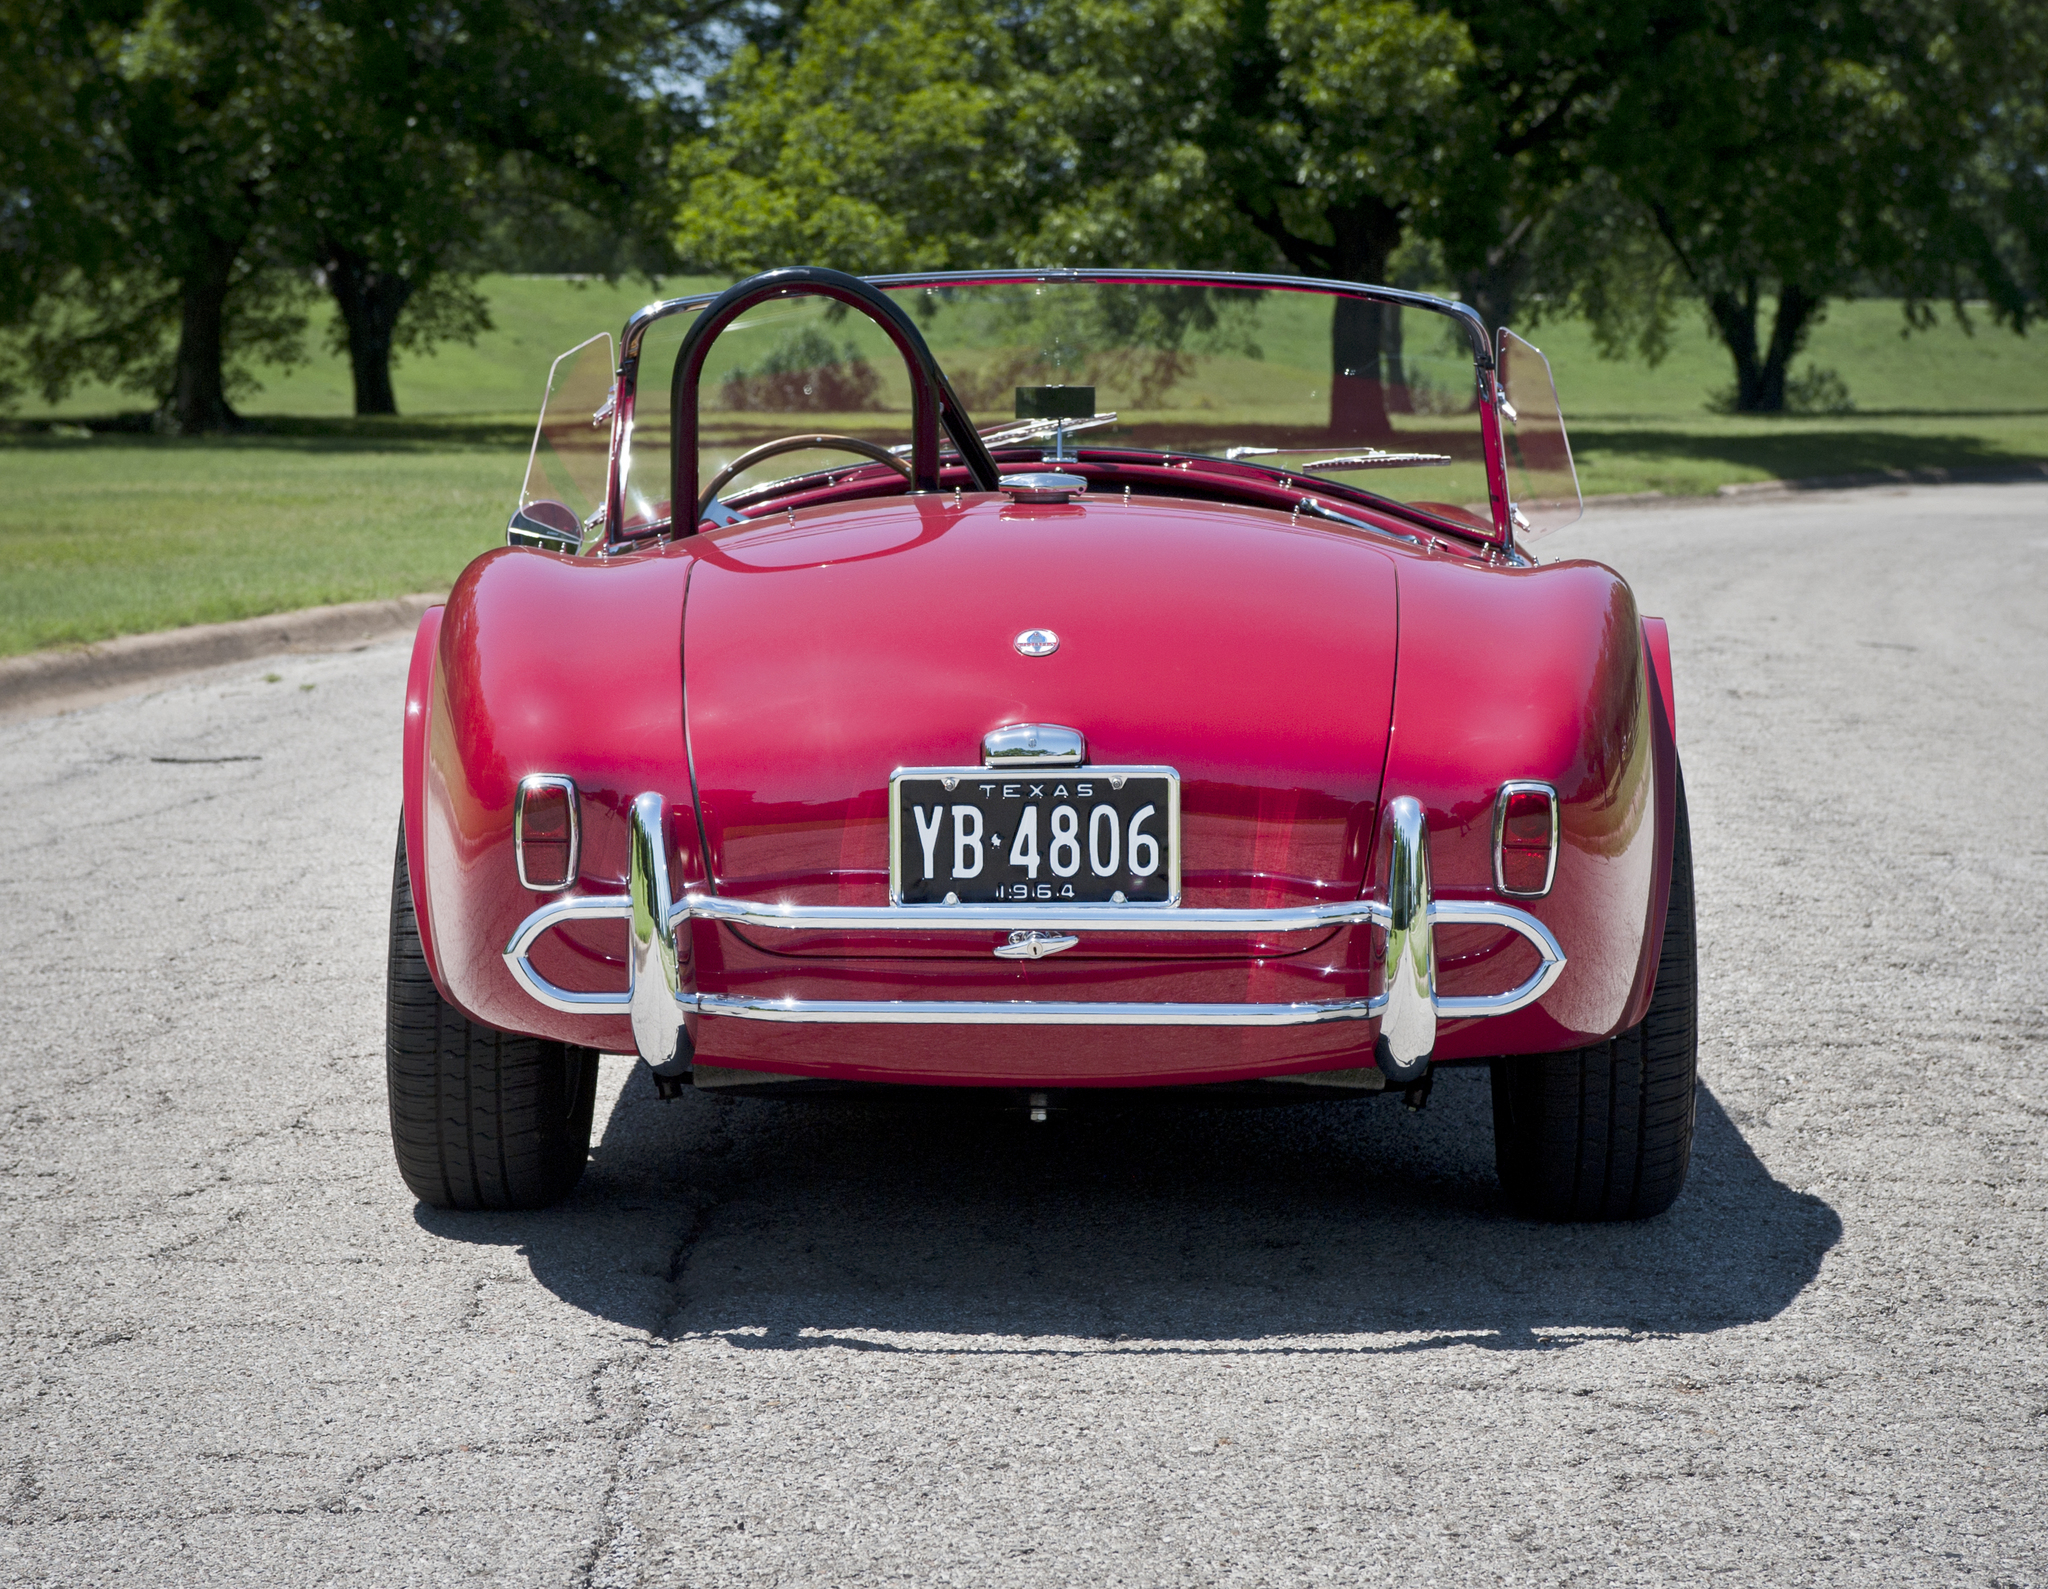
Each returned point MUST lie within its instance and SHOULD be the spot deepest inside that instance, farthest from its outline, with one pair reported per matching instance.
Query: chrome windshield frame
(634, 333)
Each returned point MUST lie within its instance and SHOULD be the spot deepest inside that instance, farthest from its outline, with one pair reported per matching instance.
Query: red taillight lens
(1525, 825)
(1523, 871)
(544, 833)
(1525, 839)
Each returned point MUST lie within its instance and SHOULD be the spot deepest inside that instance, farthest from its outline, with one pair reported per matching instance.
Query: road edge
(1744, 490)
(46, 682)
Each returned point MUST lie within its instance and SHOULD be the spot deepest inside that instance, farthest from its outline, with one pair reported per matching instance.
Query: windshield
(1380, 397)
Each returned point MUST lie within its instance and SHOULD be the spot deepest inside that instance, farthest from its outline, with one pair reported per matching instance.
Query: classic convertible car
(1044, 682)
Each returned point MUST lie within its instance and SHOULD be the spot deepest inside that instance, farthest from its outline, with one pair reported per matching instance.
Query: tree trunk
(1760, 374)
(1365, 234)
(1795, 317)
(199, 401)
(1358, 399)
(370, 301)
(1399, 399)
(1493, 286)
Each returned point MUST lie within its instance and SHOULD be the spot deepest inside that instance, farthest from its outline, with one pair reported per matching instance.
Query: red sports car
(1044, 682)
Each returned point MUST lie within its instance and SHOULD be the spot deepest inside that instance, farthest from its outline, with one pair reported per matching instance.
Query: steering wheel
(771, 449)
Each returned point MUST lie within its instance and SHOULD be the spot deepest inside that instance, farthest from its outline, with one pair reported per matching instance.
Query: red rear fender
(547, 664)
(1537, 674)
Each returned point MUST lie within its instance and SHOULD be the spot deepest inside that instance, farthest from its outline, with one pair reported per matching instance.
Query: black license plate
(1092, 836)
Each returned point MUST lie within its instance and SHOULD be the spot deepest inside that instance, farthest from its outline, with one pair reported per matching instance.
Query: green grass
(1938, 399)
(122, 533)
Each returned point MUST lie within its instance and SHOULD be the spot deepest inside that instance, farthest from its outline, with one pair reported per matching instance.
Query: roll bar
(932, 400)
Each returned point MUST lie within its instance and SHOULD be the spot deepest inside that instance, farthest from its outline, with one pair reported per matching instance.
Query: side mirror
(548, 526)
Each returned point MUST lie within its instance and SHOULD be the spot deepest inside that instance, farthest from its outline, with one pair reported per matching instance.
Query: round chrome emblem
(1037, 643)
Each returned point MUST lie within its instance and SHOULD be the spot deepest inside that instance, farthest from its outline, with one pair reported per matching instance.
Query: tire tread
(1605, 1132)
(480, 1119)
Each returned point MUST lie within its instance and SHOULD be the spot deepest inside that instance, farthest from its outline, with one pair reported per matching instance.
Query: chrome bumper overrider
(662, 1000)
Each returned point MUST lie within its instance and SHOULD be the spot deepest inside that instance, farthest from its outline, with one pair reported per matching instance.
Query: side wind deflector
(1543, 486)
(562, 499)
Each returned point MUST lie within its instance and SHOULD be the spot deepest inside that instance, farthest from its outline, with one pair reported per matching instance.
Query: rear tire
(1605, 1132)
(479, 1118)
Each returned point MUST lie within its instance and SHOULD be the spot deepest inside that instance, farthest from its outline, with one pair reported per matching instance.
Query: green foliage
(191, 164)
(1787, 152)
(1623, 157)
(1327, 122)
(942, 134)
(120, 331)
(804, 373)
(47, 229)
(882, 143)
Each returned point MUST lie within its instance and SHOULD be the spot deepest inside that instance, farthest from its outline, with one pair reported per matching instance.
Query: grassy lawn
(119, 535)
(122, 533)
(1939, 399)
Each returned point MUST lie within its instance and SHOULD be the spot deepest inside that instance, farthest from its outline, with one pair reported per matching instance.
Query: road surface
(782, 1344)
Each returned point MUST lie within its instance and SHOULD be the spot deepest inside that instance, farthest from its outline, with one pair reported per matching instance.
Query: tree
(382, 196)
(881, 141)
(421, 124)
(1331, 122)
(1540, 83)
(1304, 135)
(1257, 132)
(153, 163)
(1760, 155)
(1785, 152)
(194, 159)
(44, 163)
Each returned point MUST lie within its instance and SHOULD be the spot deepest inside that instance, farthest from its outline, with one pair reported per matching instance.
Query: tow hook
(671, 1086)
(1417, 1096)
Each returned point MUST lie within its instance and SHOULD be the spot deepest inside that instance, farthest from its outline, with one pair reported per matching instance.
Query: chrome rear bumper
(664, 1003)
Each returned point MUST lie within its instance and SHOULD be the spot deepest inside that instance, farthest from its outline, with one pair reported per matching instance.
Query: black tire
(479, 1118)
(1605, 1133)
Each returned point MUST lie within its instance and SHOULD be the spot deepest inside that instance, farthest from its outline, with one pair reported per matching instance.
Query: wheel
(479, 1118)
(1605, 1133)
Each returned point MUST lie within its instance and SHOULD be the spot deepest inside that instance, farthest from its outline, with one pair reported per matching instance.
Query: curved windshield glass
(1378, 397)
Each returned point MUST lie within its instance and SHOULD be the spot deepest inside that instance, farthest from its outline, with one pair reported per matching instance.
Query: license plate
(1069, 836)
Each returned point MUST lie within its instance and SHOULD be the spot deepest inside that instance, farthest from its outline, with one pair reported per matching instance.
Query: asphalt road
(772, 1343)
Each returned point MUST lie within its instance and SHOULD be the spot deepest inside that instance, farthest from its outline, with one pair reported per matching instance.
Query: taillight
(1525, 838)
(545, 832)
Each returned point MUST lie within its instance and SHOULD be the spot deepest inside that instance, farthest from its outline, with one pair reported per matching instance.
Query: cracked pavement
(806, 1344)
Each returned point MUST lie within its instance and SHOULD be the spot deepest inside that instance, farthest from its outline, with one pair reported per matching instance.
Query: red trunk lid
(1253, 654)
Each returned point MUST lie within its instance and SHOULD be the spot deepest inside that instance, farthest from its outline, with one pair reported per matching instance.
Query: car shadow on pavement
(1339, 1226)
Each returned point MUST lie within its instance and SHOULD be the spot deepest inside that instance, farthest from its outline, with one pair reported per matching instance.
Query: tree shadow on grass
(790, 1226)
(285, 433)
(1803, 448)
